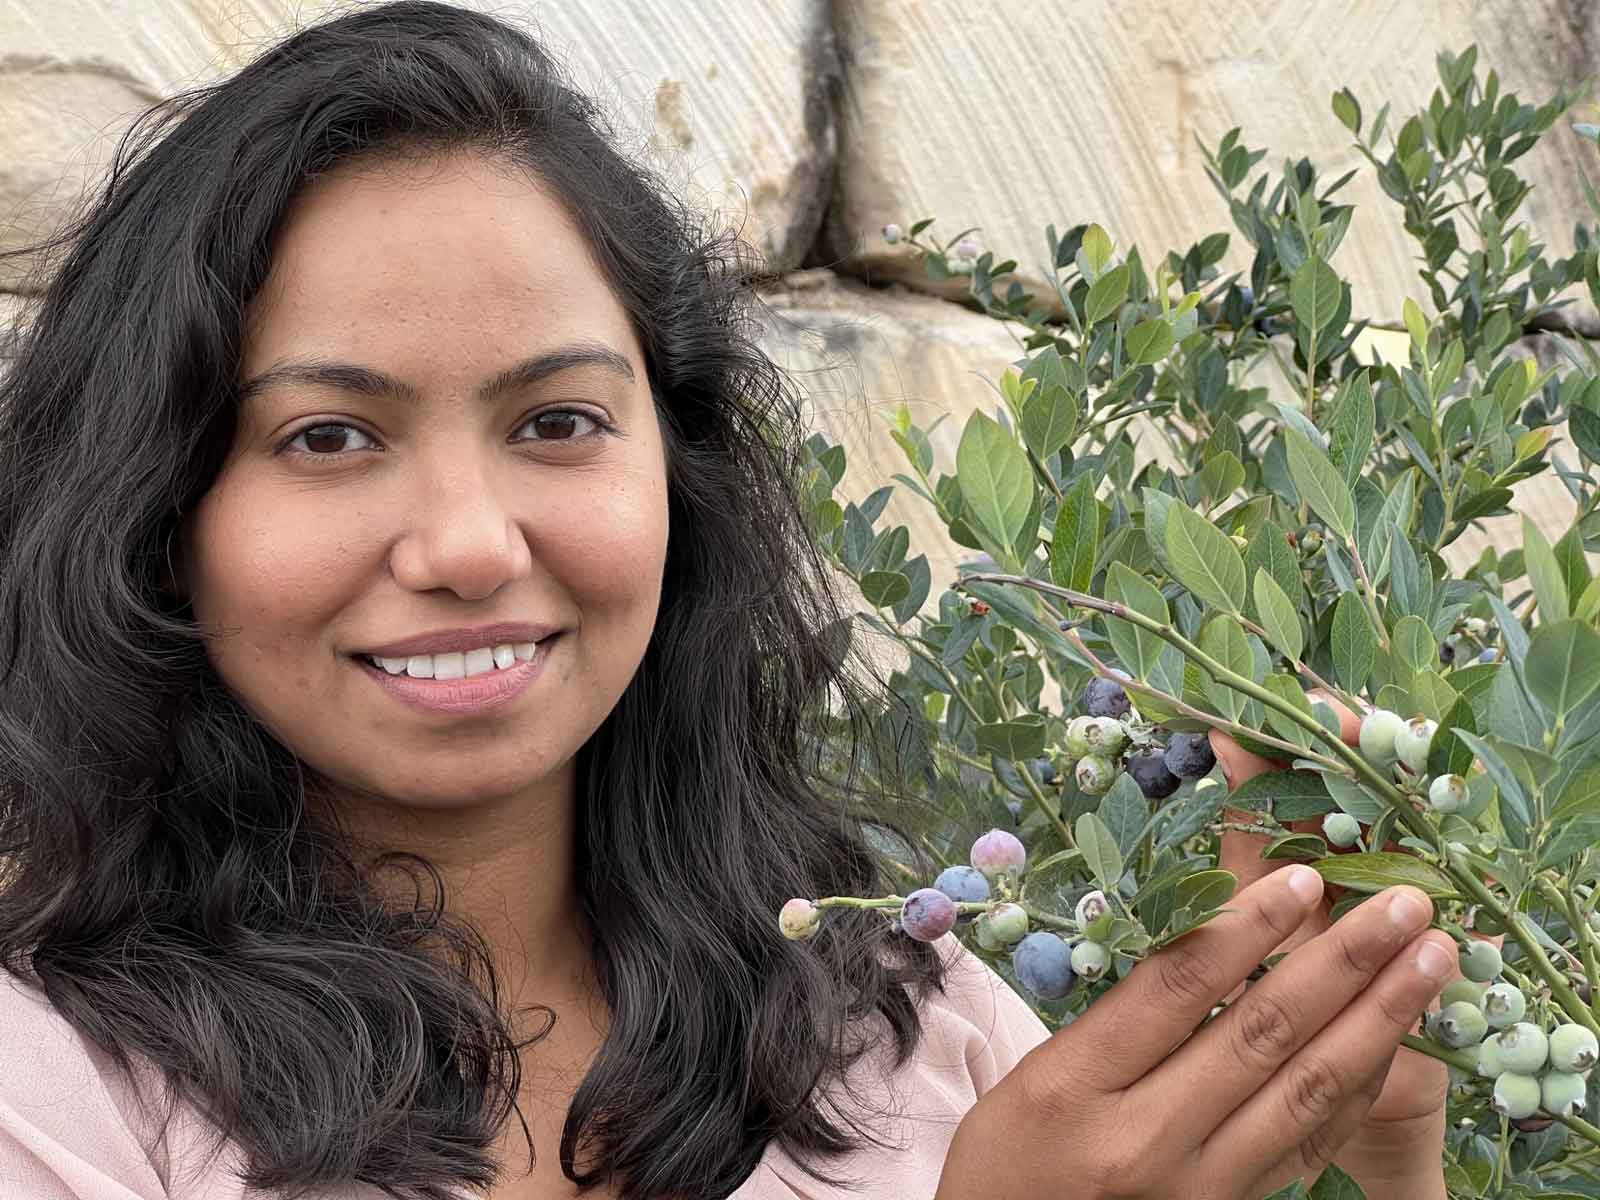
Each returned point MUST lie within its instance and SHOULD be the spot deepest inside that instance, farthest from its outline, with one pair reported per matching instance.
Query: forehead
(451, 258)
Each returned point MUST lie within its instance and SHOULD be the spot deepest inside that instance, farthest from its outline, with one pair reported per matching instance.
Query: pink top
(71, 1130)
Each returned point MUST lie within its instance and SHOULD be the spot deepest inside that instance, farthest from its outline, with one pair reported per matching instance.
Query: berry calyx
(1379, 729)
(1043, 964)
(927, 915)
(1189, 755)
(1481, 962)
(799, 919)
(1149, 771)
(1105, 698)
(1090, 960)
(1341, 829)
(998, 853)
(1504, 1005)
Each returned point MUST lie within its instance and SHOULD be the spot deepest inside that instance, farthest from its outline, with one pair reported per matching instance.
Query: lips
(447, 641)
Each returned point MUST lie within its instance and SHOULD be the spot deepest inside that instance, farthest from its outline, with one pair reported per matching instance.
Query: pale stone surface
(729, 100)
(1012, 116)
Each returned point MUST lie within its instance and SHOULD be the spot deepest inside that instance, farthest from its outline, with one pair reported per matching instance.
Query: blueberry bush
(1294, 556)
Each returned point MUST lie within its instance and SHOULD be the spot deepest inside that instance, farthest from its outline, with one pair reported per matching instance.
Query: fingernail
(1304, 883)
(1432, 960)
(1406, 912)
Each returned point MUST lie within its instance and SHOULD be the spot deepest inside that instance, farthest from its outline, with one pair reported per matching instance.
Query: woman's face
(349, 519)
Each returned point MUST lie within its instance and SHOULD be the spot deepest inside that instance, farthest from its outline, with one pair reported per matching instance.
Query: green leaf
(1355, 642)
(1314, 293)
(1319, 483)
(1372, 872)
(1075, 543)
(1204, 559)
(1351, 428)
(996, 479)
(1224, 640)
(1015, 740)
(1149, 341)
(1414, 642)
(1544, 572)
(1287, 795)
(1279, 617)
(1287, 687)
(883, 589)
(1138, 649)
(1334, 1184)
(1348, 110)
(1099, 849)
(1049, 420)
(1206, 889)
(1107, 295)
(1096, 250)
(1563, 665)
(1125, 812)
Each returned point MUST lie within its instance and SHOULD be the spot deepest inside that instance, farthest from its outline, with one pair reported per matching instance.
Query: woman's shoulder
(973, 1033)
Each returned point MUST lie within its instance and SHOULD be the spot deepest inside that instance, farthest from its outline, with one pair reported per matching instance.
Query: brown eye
(557, 425)
(325, 440)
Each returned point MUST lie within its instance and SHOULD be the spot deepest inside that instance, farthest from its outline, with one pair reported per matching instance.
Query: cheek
(611, 548)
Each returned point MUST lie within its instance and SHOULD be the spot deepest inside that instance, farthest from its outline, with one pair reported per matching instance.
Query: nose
(459, 533)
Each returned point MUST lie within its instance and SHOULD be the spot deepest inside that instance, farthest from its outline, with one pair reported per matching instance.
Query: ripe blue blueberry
(1516, 1095)
(1341, 829)
(1487, 654)
(1412, 743)
(1378, 731)
(1043, 965)
(1090, 960)
(1523, 1048)
(1149, 771)
(1504, 1005)
(1189, 755)
(927, 915)
(1562, 1093)
(1091, 908)
(998, 853)
(1105, 698)
(963, 883)
(799, 919)
(1095, 774)
(1481, 962)
(1461, 1024)
(1573, 1048)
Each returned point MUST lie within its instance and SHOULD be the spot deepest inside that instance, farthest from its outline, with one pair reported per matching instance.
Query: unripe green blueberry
(1008, 923)
(1488, 1055)
(1095, 773)
(1481, 962)
(1562, 1093)
(1378, 731)
(998, 853)
(1523, 1048)
(1516, 1095)
(799, 919)
(1105, 735)
(1341, 829)
(1077, 739)
(1412, 743)
(1504, 1005)
(1448, 794)
(1573, 1048)
(1463, 989)
(1462, 1024)
(1090, 960)
(1091, 908)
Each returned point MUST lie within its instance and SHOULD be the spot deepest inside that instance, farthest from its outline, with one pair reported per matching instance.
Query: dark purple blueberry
(1149, 771)
(927, 915)
(1447, 653)
(1189, 755)
(1487, 655)
(1105, 698)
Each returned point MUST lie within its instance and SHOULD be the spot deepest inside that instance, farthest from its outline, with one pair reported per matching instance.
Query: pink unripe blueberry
(892, 233)
(927, 915)
(1091, 908)
(799, 919)
(968, 247)
(999, 853)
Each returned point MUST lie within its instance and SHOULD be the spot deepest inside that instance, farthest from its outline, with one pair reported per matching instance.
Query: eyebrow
(368, 381)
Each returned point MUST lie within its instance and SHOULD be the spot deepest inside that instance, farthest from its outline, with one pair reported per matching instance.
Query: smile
(457, 664)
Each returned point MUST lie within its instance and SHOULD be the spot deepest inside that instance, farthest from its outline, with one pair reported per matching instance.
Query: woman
(409, 626)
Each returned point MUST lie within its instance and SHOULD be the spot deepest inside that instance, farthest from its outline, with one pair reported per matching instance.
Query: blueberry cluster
(1532, 1069)
(1105, 740)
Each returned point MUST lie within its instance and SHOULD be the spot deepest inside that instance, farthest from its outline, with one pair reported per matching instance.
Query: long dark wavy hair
(166, 883)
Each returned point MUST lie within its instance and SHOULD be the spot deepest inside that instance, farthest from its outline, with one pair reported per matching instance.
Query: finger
(1237, 763)
(1136, 1024)
(1307, 1160)
(1349, 721)
(1305, 1093)
(1238, 1053)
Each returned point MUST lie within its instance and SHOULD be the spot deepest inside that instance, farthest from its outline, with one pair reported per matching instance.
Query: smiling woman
(408, 622)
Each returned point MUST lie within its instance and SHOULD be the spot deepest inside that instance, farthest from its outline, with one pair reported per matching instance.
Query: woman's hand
(1401, 1139)
(1125, 1102)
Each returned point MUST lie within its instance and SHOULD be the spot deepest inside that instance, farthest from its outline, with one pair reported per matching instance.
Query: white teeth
(458, 665)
